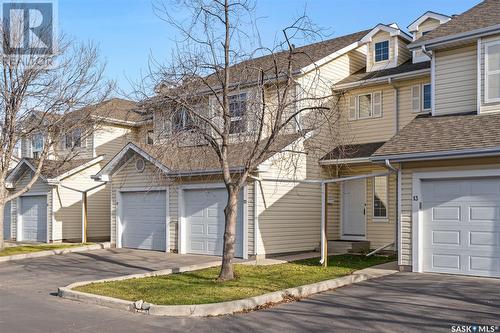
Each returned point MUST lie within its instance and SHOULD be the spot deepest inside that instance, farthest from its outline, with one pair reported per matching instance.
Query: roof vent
(140, 165)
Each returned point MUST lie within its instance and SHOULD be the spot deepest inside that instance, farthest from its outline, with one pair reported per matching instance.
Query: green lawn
(201, 287)
(9, 251)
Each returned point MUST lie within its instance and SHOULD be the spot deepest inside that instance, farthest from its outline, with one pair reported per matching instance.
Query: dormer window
(382, 51)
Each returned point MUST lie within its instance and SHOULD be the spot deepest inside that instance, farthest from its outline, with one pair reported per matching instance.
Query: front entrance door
(353, 209)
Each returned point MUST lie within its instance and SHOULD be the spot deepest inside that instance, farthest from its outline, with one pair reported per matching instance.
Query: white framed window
(381, 51)
(426, 97)
(73, 139)
(238, 110)
(37, 143)
(492, 72)
(380, 197)
(365, 106)
(421, 97)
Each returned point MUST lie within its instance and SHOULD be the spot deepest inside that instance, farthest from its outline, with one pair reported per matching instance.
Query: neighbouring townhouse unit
(415, 169)
(65, 203)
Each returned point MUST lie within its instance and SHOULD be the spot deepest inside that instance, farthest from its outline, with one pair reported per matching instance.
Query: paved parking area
(404, 302)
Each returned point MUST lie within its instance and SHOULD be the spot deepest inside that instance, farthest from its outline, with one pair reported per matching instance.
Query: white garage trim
(19, 222)
(417, 218)
(119, 227)
(182, 236)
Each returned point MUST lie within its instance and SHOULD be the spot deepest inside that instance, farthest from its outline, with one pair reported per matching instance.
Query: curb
(217, 309)
(100, 246)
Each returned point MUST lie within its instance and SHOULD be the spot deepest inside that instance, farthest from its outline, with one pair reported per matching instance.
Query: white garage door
(6, 221)
(34, 218)
(143, 220)
(461, 226)
(204, 216)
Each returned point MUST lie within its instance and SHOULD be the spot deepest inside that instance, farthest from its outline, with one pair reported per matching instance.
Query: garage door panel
(204, 216)
(34, 218)
(143, 219)
(462, 235)
(7, 221)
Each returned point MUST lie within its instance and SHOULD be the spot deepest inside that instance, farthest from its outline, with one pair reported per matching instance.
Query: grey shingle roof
(406, 67)
(485, 14)
(54, 168)
(426, 134)
(353, 151)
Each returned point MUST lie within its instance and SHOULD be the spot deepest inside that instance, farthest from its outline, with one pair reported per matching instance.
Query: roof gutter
(438, 155)
(440, 41)
(345, 161)
(383, 79)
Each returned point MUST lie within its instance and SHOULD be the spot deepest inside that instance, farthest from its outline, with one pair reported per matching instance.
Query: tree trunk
(230, 213)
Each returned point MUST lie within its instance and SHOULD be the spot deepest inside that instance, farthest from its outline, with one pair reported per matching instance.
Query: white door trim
(417, 228)
(342, 215)
(119, 211)
(182, 236)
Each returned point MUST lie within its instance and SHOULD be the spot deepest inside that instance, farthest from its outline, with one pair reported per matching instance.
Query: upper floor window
(421, 97)
(365, 106)
(492, 72)
(181, 120)
(380, 197)
(382, 51)
(238, 110)
(73, 139)
(36, 145)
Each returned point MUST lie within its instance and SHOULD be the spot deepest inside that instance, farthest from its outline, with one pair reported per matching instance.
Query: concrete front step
(342, 247)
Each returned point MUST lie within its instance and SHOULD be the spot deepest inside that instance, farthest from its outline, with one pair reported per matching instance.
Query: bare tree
(38, 93)
(212, 94)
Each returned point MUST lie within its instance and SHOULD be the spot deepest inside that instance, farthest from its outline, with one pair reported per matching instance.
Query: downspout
(398, 204)
(396, 116)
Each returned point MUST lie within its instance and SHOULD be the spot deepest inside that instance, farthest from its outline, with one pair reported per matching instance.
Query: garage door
(204, 216)
(34, 218)
(461, 226)
(6, 221)
(143, 220)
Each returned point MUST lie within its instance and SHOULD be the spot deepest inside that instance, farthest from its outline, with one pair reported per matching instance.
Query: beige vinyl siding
(407, 192)
(369, 129)
(41, 187)
(68, 208)
(406, 113)
(428, 25)
(110, 139)
(404, 54)
(486, 107)
(456, 80)
(379, 231)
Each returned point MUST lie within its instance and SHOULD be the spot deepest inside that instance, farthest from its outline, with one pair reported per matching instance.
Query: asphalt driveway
(403, 302)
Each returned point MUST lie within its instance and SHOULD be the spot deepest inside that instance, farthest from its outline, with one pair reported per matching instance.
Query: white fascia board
(439, 155)
(463, 36)
(330, 57)
(12, 176)
(429, 14)
(382, 79)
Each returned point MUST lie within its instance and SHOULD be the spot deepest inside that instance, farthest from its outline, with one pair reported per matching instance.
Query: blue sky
(128, 31)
